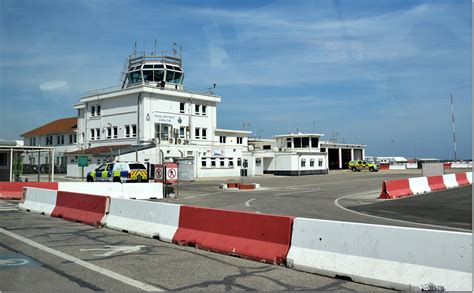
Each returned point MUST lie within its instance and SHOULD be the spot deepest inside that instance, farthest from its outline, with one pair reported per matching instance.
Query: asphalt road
(41, 253)
(332, 197)
(448, 207)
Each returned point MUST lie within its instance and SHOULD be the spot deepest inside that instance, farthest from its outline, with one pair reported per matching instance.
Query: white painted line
(336, 202)
(105, 272)
(201, 195)
(247, 203)
(7, 209)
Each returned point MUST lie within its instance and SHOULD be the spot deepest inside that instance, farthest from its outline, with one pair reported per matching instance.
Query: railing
(119, 87)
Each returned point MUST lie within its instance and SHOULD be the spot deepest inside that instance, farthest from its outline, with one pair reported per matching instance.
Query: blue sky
(367, 72)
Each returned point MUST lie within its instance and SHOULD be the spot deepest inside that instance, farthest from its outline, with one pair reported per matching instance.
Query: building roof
(299, 134)
(232, 131)
(63, 125)
(101, 150)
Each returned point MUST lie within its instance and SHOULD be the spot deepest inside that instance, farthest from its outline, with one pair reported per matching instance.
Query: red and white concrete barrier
(148, 219)
(14, 190)
(394, 257)
(84, 208)
(38, 200)
(259, 237)
(418, 185)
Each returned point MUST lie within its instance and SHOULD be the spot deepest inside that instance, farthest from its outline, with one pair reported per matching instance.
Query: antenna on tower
(174, 48)
(454, 127)
(134, 52)
(154, 49)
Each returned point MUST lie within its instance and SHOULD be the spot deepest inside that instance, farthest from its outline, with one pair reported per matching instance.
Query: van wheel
(354, 169)
(371, 169)
(90, 179)
(116, 179)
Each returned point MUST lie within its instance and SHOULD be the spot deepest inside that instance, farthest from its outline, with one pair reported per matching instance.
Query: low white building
(299, 154)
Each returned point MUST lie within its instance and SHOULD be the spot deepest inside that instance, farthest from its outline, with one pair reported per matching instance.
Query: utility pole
(454, 127)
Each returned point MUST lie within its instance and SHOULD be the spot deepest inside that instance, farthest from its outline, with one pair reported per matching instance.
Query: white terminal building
(153, 118)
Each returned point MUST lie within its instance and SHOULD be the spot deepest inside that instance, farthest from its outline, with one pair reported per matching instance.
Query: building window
(320, 162)
(182, 132)
(305, 142)
(3, 159)
(222, 139)
(314, 142)
(213, 162)
(115, 132)
(196, 109)
(134, 130)
(267, 147)
(71, 140)
(127, 131)
(288, 142)
(204, 110)
(297, 142)
(93, 111)
(109, 132)
(240, 140)
(97, 133)
(92, 134)
(204, 133)
(311, 163)
(231, 163)
(323, 150)
(181, 108)
(303, 163)
(197, 133)
(162, 131)
(222, 162)
(203, 162)
(49, 140)
(98, 110)
(239, 162)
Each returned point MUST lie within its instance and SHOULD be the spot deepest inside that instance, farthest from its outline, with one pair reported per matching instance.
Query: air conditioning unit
(180, 141)
(186, 141)
(171, 140)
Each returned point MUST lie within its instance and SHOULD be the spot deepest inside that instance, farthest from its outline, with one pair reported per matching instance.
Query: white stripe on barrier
(397, 257)
(149, 219)
(419, 185)
(412, 166)
(142, 190)
(38, 200)
(397, 167)
(112, 189)
(469, 177)
(459, 165)
(450, 180)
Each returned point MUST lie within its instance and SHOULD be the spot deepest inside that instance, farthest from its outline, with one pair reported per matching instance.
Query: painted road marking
(110, 249)
(16, 260)
(336, 202)
(92, 267)
(247, 203)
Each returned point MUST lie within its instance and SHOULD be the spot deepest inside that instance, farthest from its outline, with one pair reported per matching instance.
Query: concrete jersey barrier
(264, 238)
(419, 185)
(112, 189)
(450, 180)
(84, 208)
(38, 200)
(142, 190)
(395, 188)
(149, 219)
(14, 190)
(395, 257)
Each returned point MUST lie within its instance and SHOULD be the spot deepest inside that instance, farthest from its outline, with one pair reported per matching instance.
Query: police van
(119, 172)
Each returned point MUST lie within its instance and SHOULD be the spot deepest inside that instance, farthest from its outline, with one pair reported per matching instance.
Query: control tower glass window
(170, 76)
(158, 75)
(135, 77)
(148, 75)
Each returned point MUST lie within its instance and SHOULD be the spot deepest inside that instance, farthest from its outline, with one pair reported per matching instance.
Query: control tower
(161, 70)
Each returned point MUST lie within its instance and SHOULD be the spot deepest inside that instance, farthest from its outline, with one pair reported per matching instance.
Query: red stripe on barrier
(264, 238)
(384, 167)
(461, 178)
(14, 190)
(436, 182)
(396, 188)
(85, 208)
